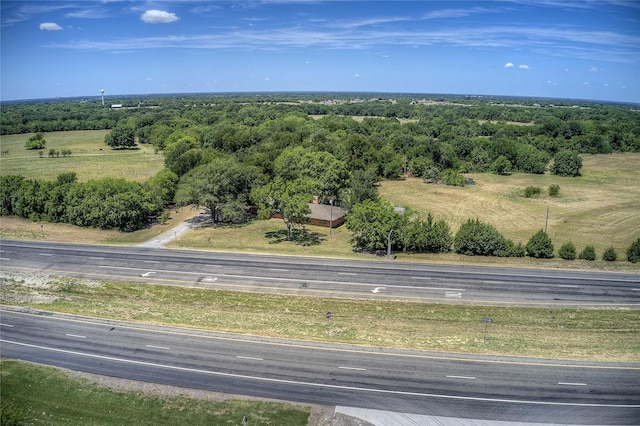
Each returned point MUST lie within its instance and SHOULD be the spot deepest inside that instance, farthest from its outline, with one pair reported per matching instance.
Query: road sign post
(328, 316)
(486, 322)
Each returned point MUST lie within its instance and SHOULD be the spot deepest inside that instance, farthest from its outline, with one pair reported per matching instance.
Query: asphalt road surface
(458, 386)
(462, 386)
(327, 277)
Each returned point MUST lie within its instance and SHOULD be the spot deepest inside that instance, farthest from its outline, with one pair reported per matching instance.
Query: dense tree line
(108, 203)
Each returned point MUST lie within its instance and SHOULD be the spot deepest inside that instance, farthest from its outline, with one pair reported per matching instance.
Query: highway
(462, 386)
(414, 382)
(327, 277)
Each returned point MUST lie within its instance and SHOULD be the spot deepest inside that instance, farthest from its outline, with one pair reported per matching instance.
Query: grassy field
(34, 394)
(590, 334)
(90, 157)
(600, 208)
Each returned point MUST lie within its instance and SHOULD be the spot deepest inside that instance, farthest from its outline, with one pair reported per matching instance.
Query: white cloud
(158, 17)
(586, 83)
(356, 75)
(523, 67)
(594, 69)
(50, 26)
(508, 65)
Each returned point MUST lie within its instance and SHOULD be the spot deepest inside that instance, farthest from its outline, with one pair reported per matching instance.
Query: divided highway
(462, 386)
(327, 277)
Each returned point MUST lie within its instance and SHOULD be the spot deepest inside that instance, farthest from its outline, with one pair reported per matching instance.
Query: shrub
(36, 141)
(501, 166)
(633, 252)
(554, 190)
(610, 255)
(589, 253)
(477, 238)
(540, 245)
(531, 191)
(425, 236)
(512, 250)
(452, 177)
(567, 251)
(566, 163)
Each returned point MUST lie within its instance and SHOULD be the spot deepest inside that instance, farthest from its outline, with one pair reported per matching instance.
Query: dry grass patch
(601, 208)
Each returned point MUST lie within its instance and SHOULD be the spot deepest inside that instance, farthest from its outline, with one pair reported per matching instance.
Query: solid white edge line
(352, 368)
(572, 384)
(319, 385)
(461, 377)
(6, 325)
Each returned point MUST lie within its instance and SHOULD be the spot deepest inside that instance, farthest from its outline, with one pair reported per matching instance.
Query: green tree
(419, 165)
(531, 160)
(32, 199)
(478, 238)
(324, 174)
(566, 163)
(363, 185)
(109, 203)
(287, 199)
(554, 190)
(453, 178)
(9, 192)
(567, 251)
(540, 246)
(371, 222)
(36, 141)
(588, 253)
(426, 236)
(122, 136)
(633, 252)
(501, 166)
(610, 255)
(163, 186)
(222, 186)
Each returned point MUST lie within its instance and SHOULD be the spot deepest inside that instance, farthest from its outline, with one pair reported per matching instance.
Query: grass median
(585, 334)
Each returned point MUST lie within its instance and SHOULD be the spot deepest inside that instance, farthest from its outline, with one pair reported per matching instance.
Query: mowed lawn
(600, 208)
(90, 157)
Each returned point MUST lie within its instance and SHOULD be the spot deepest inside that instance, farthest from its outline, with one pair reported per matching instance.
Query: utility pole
(546, 222)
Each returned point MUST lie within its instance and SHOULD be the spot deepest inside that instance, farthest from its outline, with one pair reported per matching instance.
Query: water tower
(102, 94)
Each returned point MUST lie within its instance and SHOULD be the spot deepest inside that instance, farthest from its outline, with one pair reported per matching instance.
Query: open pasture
(90, 157)
(600, 208)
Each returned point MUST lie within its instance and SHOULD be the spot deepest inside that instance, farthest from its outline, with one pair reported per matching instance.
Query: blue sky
(549, 48)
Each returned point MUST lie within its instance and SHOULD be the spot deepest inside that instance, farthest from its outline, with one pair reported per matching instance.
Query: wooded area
(226, 152)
